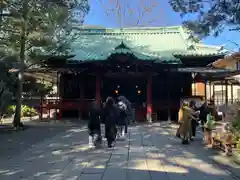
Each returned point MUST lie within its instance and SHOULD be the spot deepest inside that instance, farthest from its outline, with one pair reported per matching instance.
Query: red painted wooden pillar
(98, 89)
(149, 99)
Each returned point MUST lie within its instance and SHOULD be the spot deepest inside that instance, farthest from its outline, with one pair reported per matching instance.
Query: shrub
(26, 111)
(11, 110)
(233, 116)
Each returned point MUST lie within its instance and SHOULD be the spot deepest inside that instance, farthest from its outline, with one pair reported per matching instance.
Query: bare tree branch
(133, 13)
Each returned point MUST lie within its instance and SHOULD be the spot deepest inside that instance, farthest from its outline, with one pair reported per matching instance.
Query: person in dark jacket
(94, 124)
(192, 105)
(122, 119)
(203, 114)
(109, 117)
(128, 110)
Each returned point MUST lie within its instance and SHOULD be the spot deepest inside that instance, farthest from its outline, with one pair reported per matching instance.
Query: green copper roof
(159, 44)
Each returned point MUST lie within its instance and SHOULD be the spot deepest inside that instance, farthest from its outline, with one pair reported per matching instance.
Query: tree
(34, 27)
(132, 13)
(211, 16)
(7, 82)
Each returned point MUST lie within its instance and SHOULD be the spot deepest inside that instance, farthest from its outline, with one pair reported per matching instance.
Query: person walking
(128, 110)
(192, 105)
(109, 117)
(122, 119)
(185, 118)
(94, 124)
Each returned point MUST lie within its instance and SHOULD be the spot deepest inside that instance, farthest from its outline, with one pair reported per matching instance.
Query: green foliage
(238, 146)
(33, 87)
(10, 110)
(49, 26)
(235, 128)
(30, 28)
(26, 111)
(236, 124)
(6, 87)
(208, 17)
(232, 115)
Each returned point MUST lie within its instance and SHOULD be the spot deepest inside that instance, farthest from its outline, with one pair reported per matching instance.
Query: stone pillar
(149, 99)
(98, 89)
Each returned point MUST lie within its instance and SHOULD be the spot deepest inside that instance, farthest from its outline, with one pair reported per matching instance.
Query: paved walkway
(149, 153)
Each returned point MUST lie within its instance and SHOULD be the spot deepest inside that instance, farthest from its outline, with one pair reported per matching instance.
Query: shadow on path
(148, 153)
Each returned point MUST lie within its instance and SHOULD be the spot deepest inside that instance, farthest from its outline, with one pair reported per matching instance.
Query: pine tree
(210, 17)
(31, 28)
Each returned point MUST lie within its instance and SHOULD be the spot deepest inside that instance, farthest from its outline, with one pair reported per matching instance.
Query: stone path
(148, 153)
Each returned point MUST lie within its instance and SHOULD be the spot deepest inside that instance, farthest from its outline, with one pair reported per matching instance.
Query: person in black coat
(203, 114)
(109, 117)
(94, 124)
(128, 111)
(194, 122)
(122, 119)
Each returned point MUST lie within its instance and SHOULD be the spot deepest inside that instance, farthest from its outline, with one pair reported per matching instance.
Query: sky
(162, 15)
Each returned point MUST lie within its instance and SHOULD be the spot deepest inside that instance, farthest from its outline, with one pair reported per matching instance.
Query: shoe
(109, 146)
(191, 139)
(185, 142)
(178, 135)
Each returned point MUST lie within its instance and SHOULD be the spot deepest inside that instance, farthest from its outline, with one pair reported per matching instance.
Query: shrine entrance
(133, 88)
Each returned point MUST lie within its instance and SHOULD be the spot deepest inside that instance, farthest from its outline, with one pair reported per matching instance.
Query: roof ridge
(165, 28)
(185, 39)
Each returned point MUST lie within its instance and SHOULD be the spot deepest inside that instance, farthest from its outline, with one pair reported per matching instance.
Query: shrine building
(143, 64)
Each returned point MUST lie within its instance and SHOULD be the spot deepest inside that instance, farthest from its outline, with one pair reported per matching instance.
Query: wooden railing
(82, 106)
(53, 103)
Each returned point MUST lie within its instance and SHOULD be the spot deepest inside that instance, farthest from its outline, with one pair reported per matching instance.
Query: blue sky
(162, 15)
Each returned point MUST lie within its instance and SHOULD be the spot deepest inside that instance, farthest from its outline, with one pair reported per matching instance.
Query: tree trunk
(17, 117)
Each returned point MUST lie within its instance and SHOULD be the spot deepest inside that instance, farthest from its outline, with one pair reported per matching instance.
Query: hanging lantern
(116, 91)
(139, 91)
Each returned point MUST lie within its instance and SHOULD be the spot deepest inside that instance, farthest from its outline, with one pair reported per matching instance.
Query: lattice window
(220, 96)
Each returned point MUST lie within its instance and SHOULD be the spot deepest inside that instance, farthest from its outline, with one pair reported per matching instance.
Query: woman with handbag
(185, 117)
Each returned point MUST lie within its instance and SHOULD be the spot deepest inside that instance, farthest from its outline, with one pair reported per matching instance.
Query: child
(208, 127)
